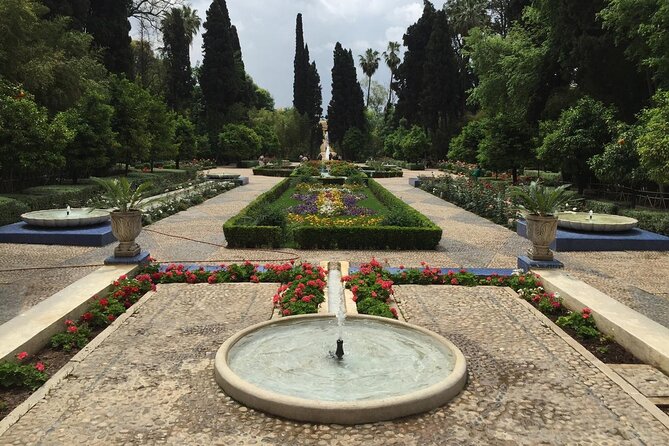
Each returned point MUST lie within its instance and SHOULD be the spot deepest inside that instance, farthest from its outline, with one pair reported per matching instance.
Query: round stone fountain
(390, 369)
(70, 217)
(592, 222)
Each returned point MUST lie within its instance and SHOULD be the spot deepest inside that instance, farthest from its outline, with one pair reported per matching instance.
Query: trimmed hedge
(654, 221)
(383, 173)
(601, 207)
(248, 163)
(415, 166)
(272, 172)
(241, 233)
(11, 210)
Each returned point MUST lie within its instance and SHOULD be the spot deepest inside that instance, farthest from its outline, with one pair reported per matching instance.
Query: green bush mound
(11, 210)
(263, 223)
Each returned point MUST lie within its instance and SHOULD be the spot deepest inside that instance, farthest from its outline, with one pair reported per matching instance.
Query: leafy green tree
(30, 145)
(392, 60)
(75, 10)
(109, 25)
(91, 123)
(269, 140)
(653, 139)
(161, 132)
(581, 132)
(415, 144)
(263, 99)
(356, 142)
(176, 41)
(185, 139)
(619, 163)
(464, 147)
(150, 69)
(507, 144)
(130, 121)
(346, 107)
(642, 28)
(238, 142)
(369, 64)
(505, 13)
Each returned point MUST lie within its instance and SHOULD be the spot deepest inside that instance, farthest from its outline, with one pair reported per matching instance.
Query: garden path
(637, 279)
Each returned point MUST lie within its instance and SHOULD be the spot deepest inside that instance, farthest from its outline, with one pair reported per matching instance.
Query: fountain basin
(58, 218)
(581, 221)
(390, 369)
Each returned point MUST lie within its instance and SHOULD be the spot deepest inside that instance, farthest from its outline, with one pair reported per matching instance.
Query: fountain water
(391, 369)
(594, 222)
(68, 217)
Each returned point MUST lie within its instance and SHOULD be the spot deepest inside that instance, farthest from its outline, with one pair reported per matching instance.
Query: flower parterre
(321, 205)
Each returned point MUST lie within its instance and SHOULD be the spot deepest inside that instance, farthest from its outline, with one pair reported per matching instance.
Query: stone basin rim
(339, 412)
(581, 222)
(77, 217)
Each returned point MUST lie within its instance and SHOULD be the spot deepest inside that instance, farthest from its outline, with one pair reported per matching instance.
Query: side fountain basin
(407, 370)
(581, 221)
(59, 218)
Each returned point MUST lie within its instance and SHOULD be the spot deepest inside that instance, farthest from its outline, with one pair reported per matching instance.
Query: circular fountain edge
(339, 412)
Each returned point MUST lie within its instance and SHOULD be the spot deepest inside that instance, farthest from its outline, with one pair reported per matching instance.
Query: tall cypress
(75, 10)
(315, 104)
(221, 79)
(346, 109)
(179, 86)
(301, 68)
(109, 25)
(409, 85)
(440, 105)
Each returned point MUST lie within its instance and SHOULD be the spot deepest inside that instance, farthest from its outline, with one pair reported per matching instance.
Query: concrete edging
(32, 329)
(643, 337)
(612, 375)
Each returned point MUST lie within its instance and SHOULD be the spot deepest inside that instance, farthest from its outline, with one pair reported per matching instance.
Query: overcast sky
(267, 35)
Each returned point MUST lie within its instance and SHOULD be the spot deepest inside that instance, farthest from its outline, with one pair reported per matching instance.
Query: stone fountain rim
(339, 412)
(93, 217)
(623, 223)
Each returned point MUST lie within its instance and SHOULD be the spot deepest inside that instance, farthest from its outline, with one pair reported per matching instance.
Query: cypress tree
(179, 87)
(409, 85)
(441, 101)
(315, 101)
(221, 80)
(76, 10)
(346, 109)
(301, 68)
(109, 25)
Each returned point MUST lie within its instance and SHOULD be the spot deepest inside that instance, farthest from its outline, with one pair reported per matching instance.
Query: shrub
(14, 374)
(11, 210)
(74, 337)
(374, 307)
(342, 168)
(239, 142)
(582, 323)
(400, 217)
(601, 207)
(654, 221)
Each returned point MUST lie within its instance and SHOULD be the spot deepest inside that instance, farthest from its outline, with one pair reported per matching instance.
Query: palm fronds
(119, 193)
(540, 200)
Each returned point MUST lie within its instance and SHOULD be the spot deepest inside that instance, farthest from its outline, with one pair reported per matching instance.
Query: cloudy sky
(267, 35)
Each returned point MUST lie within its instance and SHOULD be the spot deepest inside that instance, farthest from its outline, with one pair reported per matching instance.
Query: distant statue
(326, 151)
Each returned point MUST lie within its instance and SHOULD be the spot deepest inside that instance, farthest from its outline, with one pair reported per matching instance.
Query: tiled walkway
(152, 381)
(638, 279)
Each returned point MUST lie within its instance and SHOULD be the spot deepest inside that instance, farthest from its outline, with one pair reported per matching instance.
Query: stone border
(643, 337)
(19, 411)
(339, 412)
(626, 387)
(32, 329)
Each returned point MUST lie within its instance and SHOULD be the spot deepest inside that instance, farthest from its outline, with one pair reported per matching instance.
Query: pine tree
(179, 91)
(109, 25)
(221, 79)
(347, 107)
(409, 85)
(301, 68)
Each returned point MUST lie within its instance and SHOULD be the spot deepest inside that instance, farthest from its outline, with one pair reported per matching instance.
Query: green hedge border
(272, 172)
(383, 173)
(426, 237)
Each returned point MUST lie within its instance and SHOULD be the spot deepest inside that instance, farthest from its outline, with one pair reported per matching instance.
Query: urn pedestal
(126, 226)
(541, 230)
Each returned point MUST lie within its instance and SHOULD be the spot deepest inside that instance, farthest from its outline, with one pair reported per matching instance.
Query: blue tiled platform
(139, 259)
(415, 182)
(526, 264)
(633, 240)
(97, 235)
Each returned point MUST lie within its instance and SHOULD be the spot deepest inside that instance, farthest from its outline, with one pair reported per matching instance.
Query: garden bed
(310, 215)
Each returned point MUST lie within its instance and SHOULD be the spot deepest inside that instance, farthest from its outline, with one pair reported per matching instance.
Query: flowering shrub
(75, 336)
(22, 374)
(547, 303)
(303, 295)
(372, 290)
(582, 323)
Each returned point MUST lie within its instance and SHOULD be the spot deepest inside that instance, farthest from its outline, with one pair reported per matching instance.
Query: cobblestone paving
(637, 279)
(526, 386)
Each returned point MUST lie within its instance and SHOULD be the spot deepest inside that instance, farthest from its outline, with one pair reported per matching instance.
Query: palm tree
(369, 64)
(392, 58)
(463, 15)
(192, 22)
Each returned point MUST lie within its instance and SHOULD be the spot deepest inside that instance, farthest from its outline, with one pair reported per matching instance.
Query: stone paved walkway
(152, 381)
(637, 279)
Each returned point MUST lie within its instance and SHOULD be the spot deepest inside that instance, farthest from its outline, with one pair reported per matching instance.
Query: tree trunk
(514, 175)
(390, 91)
(369, 87)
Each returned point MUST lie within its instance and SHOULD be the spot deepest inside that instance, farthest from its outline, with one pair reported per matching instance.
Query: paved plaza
(526, 384)
(637, 279)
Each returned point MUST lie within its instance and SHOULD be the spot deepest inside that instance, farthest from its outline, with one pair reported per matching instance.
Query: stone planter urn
(541, 230)
(126, 226)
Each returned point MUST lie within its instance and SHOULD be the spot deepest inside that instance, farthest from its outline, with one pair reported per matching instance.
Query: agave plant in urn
(126, 218)
(540, 206)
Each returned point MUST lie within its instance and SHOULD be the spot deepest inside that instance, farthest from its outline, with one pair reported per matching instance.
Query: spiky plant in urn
(540, 205)
(126, 218)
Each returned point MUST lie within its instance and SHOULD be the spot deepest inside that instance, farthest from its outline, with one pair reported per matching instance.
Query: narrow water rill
(391, 369)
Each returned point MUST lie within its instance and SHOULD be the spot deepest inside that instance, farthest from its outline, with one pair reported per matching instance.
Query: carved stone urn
(126, 226)
(541, 230)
